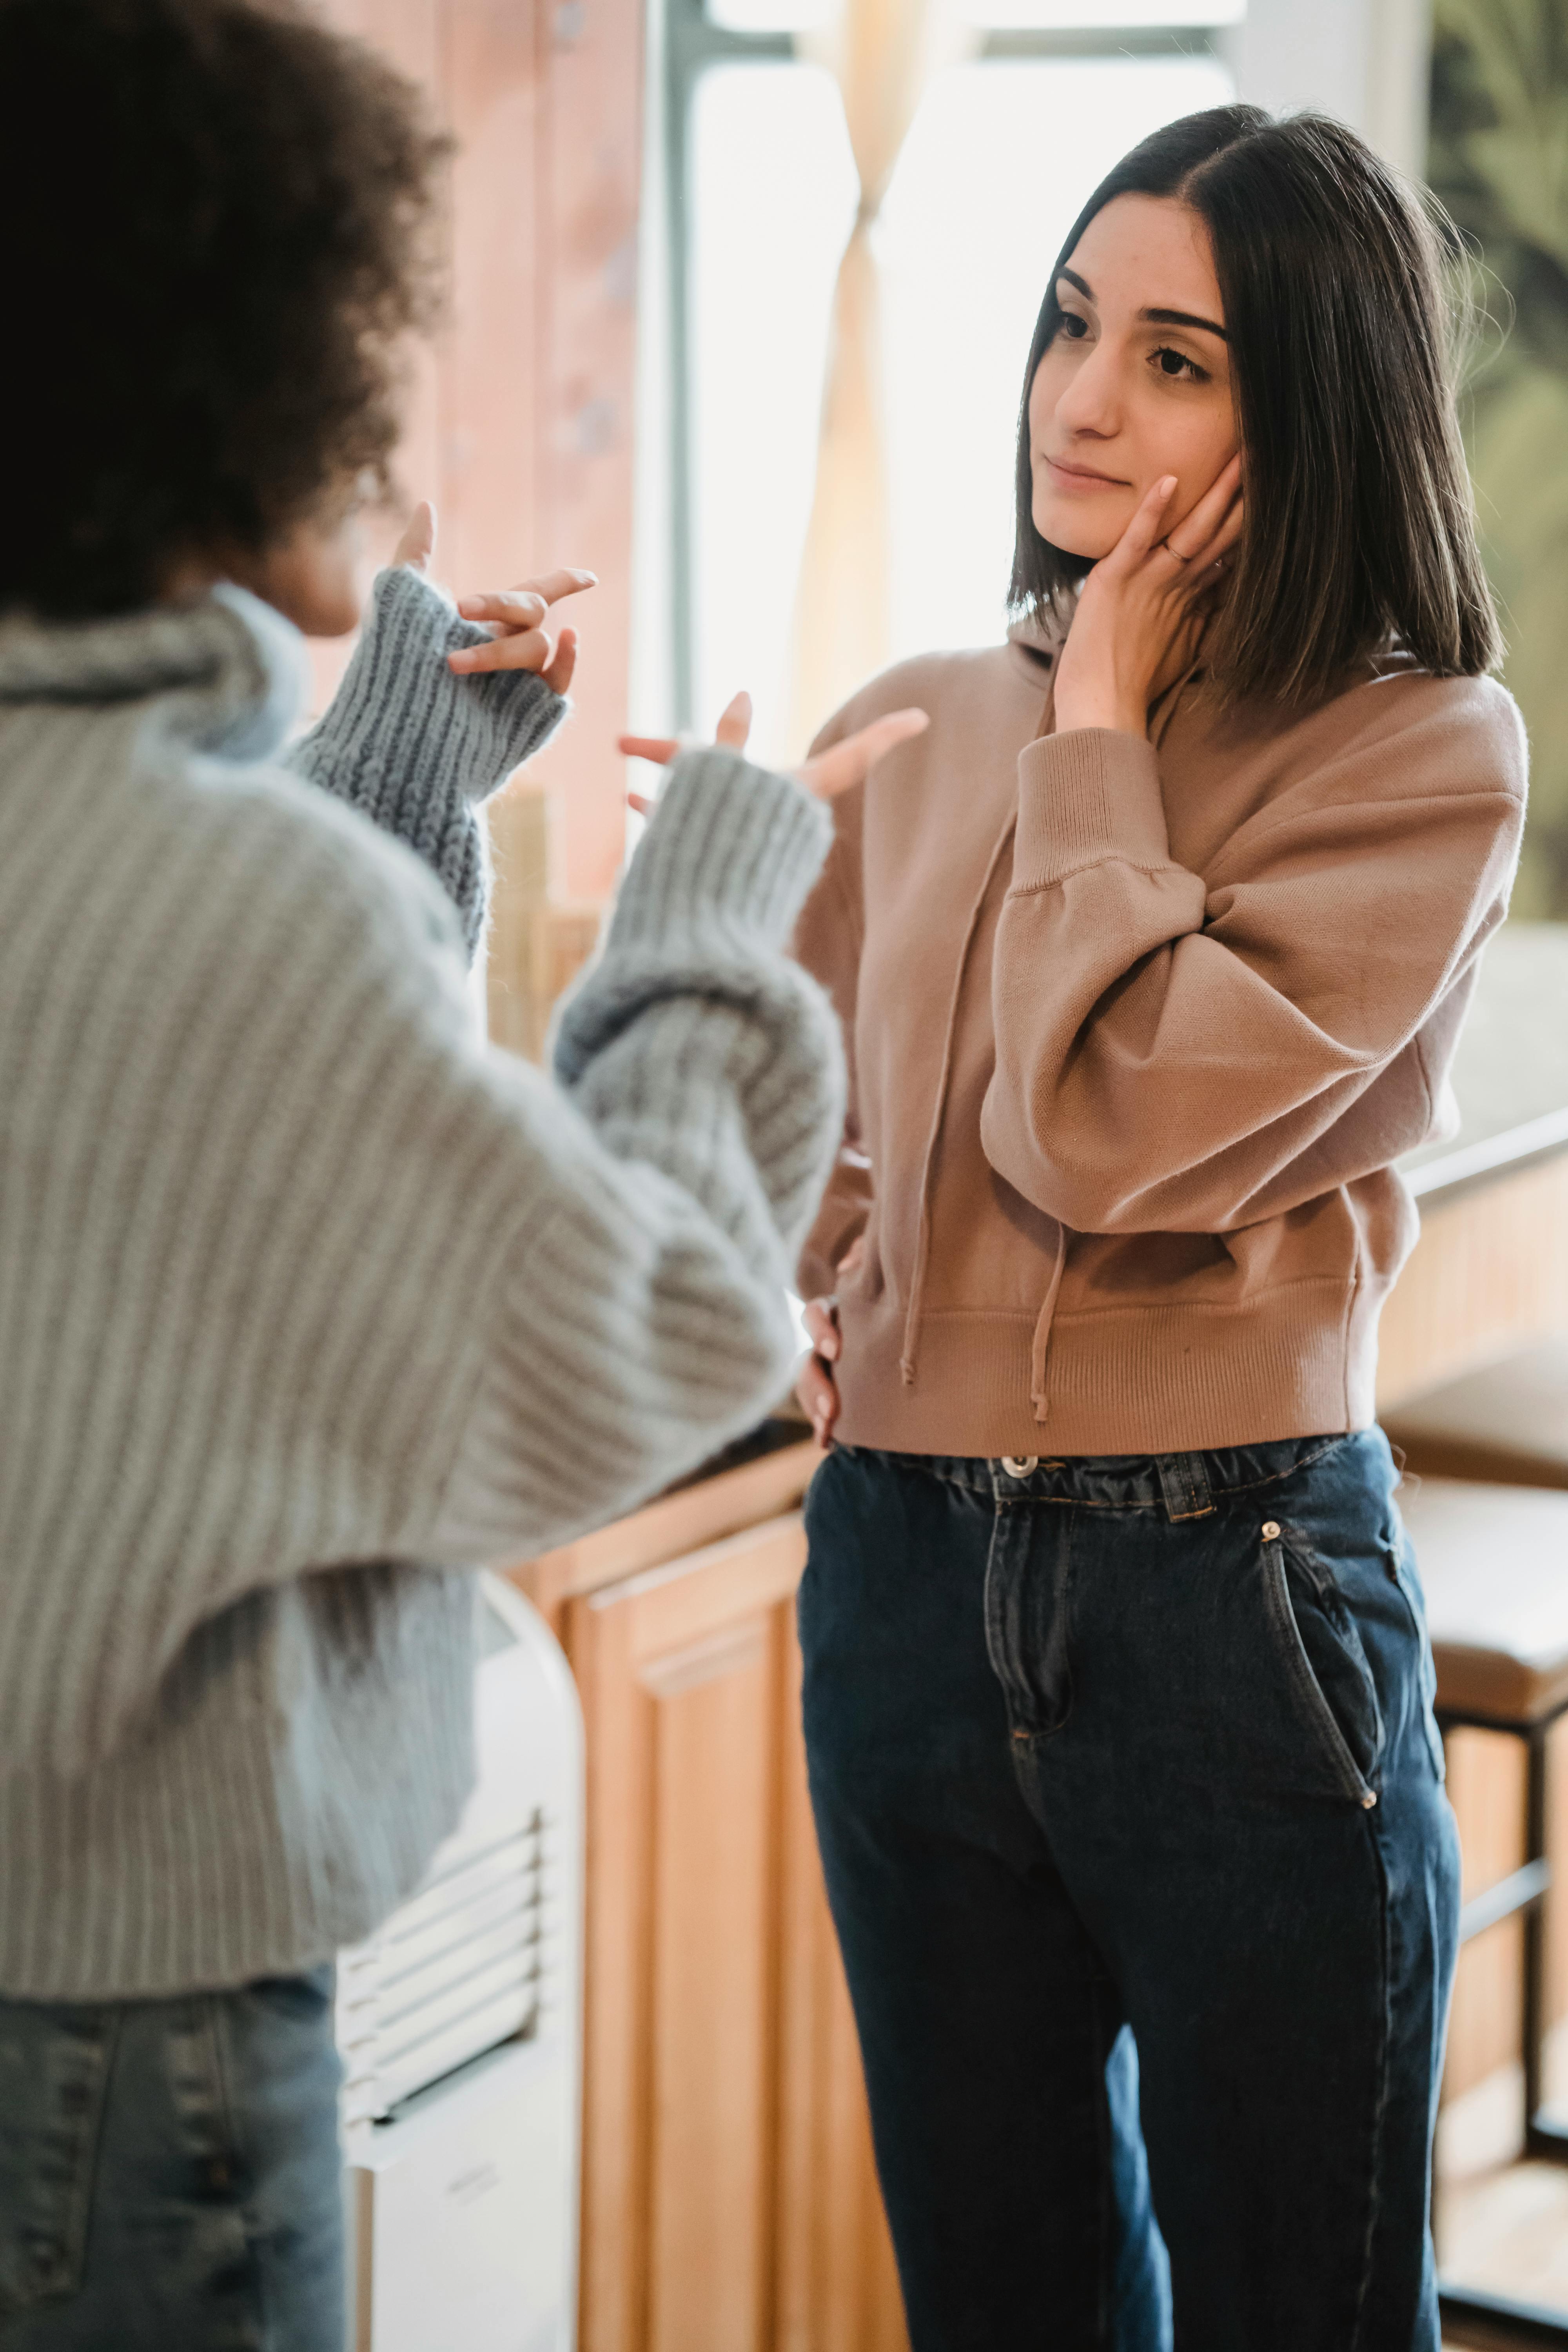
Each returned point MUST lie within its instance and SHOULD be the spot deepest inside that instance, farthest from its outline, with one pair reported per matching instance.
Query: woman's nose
(1090, 403)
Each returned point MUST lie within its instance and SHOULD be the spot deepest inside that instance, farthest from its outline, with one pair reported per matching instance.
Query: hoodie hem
(1299, 1361)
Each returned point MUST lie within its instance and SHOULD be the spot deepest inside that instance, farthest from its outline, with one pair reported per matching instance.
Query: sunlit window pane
(999, 160)
(773, 192)
(996, 166)
(990, 16)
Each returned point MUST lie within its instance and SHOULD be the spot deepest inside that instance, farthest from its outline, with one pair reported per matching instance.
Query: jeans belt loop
(1185, 1485)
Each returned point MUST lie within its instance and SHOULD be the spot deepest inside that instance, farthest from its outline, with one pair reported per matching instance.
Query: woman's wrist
(1074, 712)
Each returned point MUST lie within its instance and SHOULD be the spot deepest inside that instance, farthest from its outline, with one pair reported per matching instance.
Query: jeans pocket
(1327, 1666)
(54, 2063)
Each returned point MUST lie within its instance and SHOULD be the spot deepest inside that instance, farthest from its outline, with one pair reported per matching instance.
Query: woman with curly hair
(1151, 955)
(308, 1299)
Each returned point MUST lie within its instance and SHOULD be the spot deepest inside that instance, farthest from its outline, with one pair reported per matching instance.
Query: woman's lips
(1080, 478)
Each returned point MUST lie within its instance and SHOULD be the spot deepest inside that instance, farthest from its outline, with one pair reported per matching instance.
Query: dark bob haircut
(222, 225)
(1360, 528)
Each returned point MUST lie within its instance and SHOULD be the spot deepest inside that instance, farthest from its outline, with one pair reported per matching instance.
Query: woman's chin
(1075, 534)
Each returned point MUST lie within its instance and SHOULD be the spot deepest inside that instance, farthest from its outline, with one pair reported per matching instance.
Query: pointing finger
(660, 748)
(553, 586)
(735, 724)
(417, 544)
(847, 763)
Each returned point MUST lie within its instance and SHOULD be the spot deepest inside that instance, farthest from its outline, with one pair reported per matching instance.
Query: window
(761, 197)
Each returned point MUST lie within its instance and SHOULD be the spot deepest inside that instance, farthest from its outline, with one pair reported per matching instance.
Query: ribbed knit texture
(418, 765)
(307, 1295)
(1083, 797)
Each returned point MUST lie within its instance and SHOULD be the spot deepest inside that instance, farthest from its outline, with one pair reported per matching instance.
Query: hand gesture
(518, 618)
(1142, 611)
(833, 771)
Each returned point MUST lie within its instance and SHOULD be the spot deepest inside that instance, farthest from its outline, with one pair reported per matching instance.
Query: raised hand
(522, 634)
(1142, 611)
(833, 771)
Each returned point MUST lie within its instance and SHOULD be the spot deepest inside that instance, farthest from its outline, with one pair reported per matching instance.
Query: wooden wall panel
(1489, 1273)
(730, 2197)
(591, 159)
(521, 420)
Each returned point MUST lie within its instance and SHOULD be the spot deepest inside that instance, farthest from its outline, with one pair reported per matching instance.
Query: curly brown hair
(222, 227)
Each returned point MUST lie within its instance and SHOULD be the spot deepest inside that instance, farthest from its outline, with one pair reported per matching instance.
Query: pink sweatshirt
(1135, 1030)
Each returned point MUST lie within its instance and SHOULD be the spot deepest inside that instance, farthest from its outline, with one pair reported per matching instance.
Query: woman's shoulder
(1469, 730)
(970, 684)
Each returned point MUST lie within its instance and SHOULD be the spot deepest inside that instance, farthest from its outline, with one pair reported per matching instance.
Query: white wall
(1367, 61)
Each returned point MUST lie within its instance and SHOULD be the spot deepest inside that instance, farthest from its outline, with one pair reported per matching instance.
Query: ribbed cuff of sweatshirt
(1085, 797)
(402, 719)
(721, 872)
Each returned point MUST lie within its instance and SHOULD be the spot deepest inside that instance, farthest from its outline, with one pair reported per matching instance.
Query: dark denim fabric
(1145, 1742)
(170, 2175)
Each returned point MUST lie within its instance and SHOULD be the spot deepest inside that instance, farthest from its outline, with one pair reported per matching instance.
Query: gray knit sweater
(308, 1297)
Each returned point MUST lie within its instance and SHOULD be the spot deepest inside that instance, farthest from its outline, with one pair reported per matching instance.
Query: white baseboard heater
(461, 2029)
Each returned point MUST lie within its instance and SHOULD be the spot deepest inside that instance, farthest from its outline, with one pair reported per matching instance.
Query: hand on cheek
(1142, 609)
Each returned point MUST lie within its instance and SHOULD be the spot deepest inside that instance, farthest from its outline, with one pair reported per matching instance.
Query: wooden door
(729, 2198)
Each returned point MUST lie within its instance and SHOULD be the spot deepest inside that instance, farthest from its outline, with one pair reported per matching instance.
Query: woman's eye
(1176, 363)
(1073, 327)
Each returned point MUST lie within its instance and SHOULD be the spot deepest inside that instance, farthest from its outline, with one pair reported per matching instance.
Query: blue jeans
(169, 2173)
(1148, 1743)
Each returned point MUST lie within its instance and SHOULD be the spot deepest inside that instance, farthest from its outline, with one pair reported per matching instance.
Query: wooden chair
(1494, 1562)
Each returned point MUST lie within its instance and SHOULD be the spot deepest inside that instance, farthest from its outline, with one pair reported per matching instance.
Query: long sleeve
(646, 1321)
(1173, 1054)
(358, 1285)
(416, 747)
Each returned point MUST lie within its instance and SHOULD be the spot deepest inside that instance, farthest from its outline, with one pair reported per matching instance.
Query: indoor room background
(742, 294)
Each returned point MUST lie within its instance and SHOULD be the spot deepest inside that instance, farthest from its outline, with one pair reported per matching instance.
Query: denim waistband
(1184, 1485)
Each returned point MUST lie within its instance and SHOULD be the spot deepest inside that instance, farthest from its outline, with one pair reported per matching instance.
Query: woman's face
(1136, 383)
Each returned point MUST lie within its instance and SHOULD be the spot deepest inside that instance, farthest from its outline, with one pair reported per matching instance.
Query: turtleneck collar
(228, 669)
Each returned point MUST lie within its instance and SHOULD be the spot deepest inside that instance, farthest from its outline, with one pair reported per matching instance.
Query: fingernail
(470, 604)
(1167, 486)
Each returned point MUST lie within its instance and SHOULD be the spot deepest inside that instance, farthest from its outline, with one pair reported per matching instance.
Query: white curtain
(882, 54)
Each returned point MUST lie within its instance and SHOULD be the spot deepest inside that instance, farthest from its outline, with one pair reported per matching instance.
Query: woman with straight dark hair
(1151, 957)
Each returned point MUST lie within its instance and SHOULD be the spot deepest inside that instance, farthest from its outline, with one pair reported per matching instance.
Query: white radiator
(461, 2029)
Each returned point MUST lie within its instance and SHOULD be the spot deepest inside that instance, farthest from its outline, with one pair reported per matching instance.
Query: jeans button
(1020, 1465)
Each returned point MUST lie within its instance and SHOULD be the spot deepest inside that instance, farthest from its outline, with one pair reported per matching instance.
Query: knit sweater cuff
(720, 877)
(401, 720)
(729, 842)
(1085, 797)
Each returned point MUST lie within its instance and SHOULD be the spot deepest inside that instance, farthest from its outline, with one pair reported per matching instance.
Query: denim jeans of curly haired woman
(1151, 957)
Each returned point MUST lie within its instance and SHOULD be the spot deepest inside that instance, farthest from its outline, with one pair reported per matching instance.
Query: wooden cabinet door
(729, 2196)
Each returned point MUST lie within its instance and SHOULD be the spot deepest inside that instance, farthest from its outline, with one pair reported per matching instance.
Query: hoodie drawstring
(1041, 1349)
(922, 1240)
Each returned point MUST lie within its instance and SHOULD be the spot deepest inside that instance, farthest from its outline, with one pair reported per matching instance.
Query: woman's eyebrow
(1182, 318)
(1150, 318)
